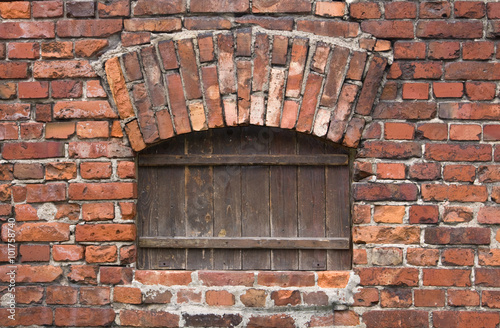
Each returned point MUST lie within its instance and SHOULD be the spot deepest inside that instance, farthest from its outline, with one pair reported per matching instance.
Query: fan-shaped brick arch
(191, 83)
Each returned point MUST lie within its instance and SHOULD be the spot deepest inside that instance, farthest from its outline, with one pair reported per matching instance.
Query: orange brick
(399, 131)
(465, 132)
(416, 91)
(393, 171)
(388, 214)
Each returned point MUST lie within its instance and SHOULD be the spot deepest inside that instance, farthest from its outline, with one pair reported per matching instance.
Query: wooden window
(244, 198)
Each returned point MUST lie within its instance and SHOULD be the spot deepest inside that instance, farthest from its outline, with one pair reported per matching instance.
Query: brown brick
(61, 295)
(365, 10)
(277, 320)
(206, 47)
(388, 29)
(405, 110)
(335, 77)
(371, 85)
(424, 214)
(395, 298)
(94, 295)
(280, 50)
(275, 97)
(286, 297)
(261, 62)
(469, 9)
(289, 6)
(207, 23)
(165, 128)
(130, 295)
(88, 28)
(254, 298)
(153, 78)
(158, 297)
(145, 113)
(457, 236)
(212, 96)
(457, 257)
(404, 318)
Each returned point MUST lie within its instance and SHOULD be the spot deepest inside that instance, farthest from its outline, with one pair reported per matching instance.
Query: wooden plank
(227, 198)
(245, 242)
(254, 159)
(283, 204)
(338, 214)
(199, 201)
(311, 203)
(255, 198)
(145, 211)
(167, 213)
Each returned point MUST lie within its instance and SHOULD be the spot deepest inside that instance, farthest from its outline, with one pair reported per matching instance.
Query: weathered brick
(365, 10)
(449, 29)
(409, 50)
(153, 24)
(141, 318)
(66, 89)
(27, 30)
(371, 85)
(189, 69)
(98, 211)
(330, 9)
(39, 231)
(34, 253)
(458, 152)
(60, 171)
(480, 90)
(145, 113)
(92, 109)
(388, 276)
(395, 298)
(329, 28)
(207, 23)
(400, 10)
(67, 252)
(469, 9)
(113, 8)
(86, 274)
(61, 295)
(13, 70)
(91, 129)
(386, 235)
(458, 297)
(101, 254)
(219, 298)
(94, 295)
(107, 149)
(261, 63)
(226, 67)
(90, 48)
(23, 50)
(178, 103)
(212, 96)
(457, 257)
(95, 89)
(35, 315)
(29, 294)
(218, 6)
(388, 214)
(457, 236)
(286, 297)
(389, 29)
(404, 318)
(309, 102)
(285, 279)
(401, 110)
(115, 275)
(277, 320)
(45, 9)
(156, 297)
(471, 70)
(462, 319)
(244, 71)
(466, 173)
(254, 298)
(90, 317)
(105, 232)
(63, 69)
(165, 278)
(271, 23)
(98, 191)
(135, 38)
(162, 7)
(88, 28)
(297, 65)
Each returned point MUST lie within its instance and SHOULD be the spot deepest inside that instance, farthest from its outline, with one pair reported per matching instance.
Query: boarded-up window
(244, 198)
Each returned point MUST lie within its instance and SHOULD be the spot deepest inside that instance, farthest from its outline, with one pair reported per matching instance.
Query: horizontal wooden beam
(183, 160)
(244, 242)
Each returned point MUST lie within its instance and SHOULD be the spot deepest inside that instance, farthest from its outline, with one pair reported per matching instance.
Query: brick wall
(412, 86)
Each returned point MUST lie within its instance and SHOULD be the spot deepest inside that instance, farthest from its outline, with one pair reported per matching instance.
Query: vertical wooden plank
(199, 201)
(255, 198)
(167, 213)
(145, 212)
(227, 198)
(311, 203)
(337, 214)
(283, 200)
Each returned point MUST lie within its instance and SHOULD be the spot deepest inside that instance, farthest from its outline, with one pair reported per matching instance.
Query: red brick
(361, 214)
(254, 298)
(52, 192)
(458, 152)
(387, 256)
(446, 277)
(62, 69)
(491, 299)
(297, 61)
(43, 112)
(456, 214)
(26, 316)
(189, 69)
(457, 257)
(477, 50)
(13, 70)
(458, 297)
(86, 274)
(207, 23)
(469, 9)
(61, 295)
(389, 149)
(466, 173)
(8, 131)
(90, 47)
(285, 279)
(90, 317)
(80, 9)
(329, 28)
(68, 211)
(128, 211)
(356, 66)
(388, 276)
(153, 24)
(453, 29)
(95, 90)
(128, 254)
(116, 275)
(330, 9)
(26, 212)
(371, 85)
(60, 171)
(416, 70)
(57, 49)
(67, 252)
(162, 7)
(400, 10)
(128, 295)
(491, 132)
(105, 232)
(488, 277)
(94, 295)
(113, 8)
(224, 278)
(24, 50)
(493, 10)
(206, 47)
(97, 191)
(148, 318)
(91, 129)
(116, 130)
(34, 253)
(178, 103)
(409, 50)
(163, 297)
(309, 103)
(290, 6)
(395, 298)
(134, 39)
(457, 236)
(386, 235)
(219, 298)
(29, 295)
(399, 131)
(433, 10)
(366, 297)
(429, 297)
(464, 319)
(364, 10)
(490, 173)
(277, 320)
(101, 254)
(379, 191)
(98, 211)
(471, 70)
(433, 131)
(389, 29)
(68, 28)
(27, 30)
(66, 89)
(45, 9)
(39, 231)
(98, 149)
(126, 170)
(286, 297)
(261, 62)
(166, 278)
(59, 130)
(425, 171)
(15, 10)
(31, 130)
(444, 50)
(405, 110)
(480, 90)
(448, 89)
(333, 279)
(424, 214)
(395, 171)
(118, 88)
(489, 257)
(270, 23)
(8, 90)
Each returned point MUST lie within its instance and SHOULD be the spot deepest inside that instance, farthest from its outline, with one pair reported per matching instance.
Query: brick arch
(183, 83)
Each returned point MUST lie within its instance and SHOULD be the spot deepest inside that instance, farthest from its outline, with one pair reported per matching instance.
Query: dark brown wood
(338, 214)
(253, 159)
(311, 203)
(255, 199)
(245, 242)
(227, 198)
(199, 202)
(283, 204)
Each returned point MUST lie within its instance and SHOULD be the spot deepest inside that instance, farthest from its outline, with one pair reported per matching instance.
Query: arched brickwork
(178, 84)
